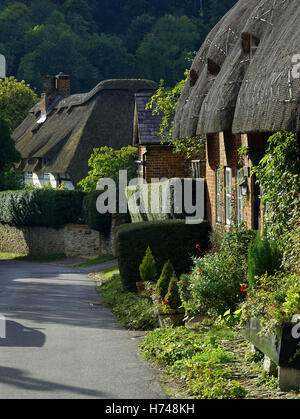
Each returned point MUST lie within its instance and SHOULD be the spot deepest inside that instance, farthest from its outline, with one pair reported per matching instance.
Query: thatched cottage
(244, 86)
(59, 134)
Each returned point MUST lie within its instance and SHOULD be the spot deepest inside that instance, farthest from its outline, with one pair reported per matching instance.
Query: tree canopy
(97, 39)
(16, 98)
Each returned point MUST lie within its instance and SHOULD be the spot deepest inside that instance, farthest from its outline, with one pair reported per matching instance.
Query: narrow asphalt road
(61, 342)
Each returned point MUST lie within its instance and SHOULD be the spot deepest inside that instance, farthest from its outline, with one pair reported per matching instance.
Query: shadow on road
(22, 337)
(48, 294)
(18, 378)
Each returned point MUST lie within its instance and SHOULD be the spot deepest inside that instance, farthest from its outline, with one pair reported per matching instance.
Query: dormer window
(193, 77)
(213, 69)
(250, 44)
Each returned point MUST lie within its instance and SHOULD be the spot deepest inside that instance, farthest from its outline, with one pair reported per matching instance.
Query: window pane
(228, 194)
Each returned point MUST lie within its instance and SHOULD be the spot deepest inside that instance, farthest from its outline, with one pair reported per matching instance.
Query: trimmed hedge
(95, 220)
(153, 194)
(43, 208)
(169, 240)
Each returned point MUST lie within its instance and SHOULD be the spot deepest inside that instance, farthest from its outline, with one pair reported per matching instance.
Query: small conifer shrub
(164, 279)
(264, 257)
(172, 298)
(147, 268)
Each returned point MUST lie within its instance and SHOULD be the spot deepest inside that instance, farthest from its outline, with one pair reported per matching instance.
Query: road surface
(61, 342)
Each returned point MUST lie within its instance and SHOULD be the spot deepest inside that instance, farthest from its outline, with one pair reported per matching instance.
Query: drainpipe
(144, 160)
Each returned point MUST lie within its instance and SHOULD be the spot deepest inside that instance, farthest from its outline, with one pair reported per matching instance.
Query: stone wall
(72, 240)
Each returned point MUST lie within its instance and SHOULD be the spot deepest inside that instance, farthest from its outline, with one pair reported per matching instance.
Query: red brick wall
(222, 151)
(161, 162)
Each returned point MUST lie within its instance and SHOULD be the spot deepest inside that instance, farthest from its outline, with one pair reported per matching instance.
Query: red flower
(243, 289)
(215, 249)
(200, 271)
(198, 246)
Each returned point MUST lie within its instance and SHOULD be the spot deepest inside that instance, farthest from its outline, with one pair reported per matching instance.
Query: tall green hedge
(43, 208)
(95, 220)
(169, 240)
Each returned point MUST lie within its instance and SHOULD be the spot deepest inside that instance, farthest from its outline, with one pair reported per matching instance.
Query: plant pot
(140, 287)
(173, 317)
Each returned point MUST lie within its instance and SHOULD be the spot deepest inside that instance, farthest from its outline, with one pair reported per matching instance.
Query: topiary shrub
(164, 279)
(147, 268)
(264, 257)
(169, 240)
(172, 297)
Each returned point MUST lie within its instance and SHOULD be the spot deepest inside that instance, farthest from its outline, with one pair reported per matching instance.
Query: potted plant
(147, 270)
(171, 311)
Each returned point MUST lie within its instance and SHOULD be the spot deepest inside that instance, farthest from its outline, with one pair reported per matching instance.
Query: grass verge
(100, 259)
(132, 312)
(196, 362)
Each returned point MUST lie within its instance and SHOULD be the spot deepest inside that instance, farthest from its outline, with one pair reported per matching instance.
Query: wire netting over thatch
(243, 77)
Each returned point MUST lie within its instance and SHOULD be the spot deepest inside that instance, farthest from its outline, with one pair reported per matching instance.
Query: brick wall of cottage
(161, 162)
(222, 151)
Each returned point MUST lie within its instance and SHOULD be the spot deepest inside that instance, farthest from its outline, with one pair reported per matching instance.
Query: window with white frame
(196, 169)
(228, 195)
(239, 196)
(218, 195)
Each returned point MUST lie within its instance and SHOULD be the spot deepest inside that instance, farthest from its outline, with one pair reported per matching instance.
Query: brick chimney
(63, 84)
(55, 86)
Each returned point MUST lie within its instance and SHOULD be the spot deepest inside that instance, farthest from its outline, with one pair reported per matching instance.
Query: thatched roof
(77, 124)
(242, 77)
(147, 125)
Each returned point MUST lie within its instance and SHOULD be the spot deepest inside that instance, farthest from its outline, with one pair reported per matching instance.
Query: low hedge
(43, 208)
(169, 240)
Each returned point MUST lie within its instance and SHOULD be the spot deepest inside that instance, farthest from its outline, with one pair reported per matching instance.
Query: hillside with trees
(94, 40)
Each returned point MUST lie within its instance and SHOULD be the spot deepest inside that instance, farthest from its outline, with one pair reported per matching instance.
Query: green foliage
(169, 240)
(16, 98)
(43, 208)
(279, 176)
(173, 299)
(164, 102)
(8, 152)
(197, 359)
(132, 312)
(147, 268)
(263, 257)
(103, 39)
(214, 284)
(107, 162)
(95, 220)
(9, 179)
(167, 45)
(164, 279)
(146, 202)
(274, 300)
